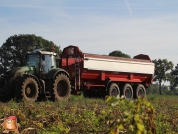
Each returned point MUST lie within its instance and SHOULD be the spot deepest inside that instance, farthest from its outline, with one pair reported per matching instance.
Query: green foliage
(154, 89)
(132, 116)
(118, 53)
(173, 77)
(12, 52)
(166, 113)
(156, 114)
(161, 67)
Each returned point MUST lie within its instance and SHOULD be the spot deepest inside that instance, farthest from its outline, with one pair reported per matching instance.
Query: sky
(97, 26)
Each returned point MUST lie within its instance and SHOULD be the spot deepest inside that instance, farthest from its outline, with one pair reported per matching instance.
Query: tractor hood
(19, 71)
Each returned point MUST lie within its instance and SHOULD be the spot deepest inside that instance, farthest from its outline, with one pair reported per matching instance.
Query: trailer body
(107, 75)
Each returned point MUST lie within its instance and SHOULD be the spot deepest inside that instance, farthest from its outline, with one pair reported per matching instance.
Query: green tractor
(40, 78)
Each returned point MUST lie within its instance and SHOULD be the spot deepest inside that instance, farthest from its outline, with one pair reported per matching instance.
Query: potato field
(154, 115)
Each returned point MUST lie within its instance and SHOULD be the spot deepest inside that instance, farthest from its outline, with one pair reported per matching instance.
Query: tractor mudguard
(52, 74)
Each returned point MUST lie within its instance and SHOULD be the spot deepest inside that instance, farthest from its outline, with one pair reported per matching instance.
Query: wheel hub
(28, 90)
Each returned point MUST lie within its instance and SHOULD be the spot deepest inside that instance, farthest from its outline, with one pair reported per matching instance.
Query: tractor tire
(27, 89)
(2, 82)
(127, 91)
(140, 92)
(113, 90)
(6, 94)
(61, 87)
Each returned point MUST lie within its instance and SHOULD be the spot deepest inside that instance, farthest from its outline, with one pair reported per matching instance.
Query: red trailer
(107, 75)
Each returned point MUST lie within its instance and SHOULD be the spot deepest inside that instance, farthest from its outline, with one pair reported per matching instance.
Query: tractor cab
(43, 61)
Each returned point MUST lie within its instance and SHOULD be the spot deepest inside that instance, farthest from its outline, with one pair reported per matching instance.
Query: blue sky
(97, 26)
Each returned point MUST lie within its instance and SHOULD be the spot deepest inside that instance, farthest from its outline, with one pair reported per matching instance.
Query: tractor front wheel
(61, 87)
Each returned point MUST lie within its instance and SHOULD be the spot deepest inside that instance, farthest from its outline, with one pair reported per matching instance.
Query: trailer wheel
(27, 89)
(114, 90)
(61, 87)
(127, 91)
(140, 91)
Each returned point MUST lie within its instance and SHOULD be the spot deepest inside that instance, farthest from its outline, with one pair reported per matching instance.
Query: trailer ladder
(77, 72)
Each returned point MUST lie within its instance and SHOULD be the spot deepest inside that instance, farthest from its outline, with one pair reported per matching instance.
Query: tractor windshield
(48, 63)
(33, 60)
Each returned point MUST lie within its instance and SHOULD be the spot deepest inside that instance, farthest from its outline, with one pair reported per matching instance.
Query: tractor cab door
(48, 62)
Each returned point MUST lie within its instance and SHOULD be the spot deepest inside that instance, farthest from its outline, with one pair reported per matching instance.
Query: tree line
(12, 54)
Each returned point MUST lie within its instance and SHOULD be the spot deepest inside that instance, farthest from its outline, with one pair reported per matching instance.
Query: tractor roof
(39, 51)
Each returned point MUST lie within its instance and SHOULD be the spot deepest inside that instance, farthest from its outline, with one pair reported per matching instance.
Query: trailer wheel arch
(107, 84)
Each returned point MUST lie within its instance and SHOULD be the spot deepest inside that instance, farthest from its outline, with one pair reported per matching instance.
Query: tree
(153, 89)
(161, 67)
(118, 53)
(173, 77)
(13, 51)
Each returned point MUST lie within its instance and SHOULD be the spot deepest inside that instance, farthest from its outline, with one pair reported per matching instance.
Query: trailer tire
(27, 89)
(140, 91)
(113, 90)
(61, 87)
(127, 91)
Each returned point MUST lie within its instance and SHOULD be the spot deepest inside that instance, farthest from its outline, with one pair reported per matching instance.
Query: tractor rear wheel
(61, 87)
(6, 93)
(2, 82)
(27, 89)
